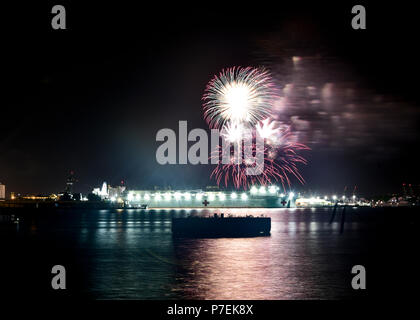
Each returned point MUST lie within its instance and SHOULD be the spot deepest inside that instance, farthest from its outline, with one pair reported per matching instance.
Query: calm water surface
(131, 254)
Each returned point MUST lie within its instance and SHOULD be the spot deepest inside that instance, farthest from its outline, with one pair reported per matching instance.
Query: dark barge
(221, 226)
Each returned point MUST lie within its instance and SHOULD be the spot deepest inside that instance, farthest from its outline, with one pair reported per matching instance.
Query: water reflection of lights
(313, 226)
(275, 267)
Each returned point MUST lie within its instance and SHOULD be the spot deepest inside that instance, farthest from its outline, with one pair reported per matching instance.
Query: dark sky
(92, 98)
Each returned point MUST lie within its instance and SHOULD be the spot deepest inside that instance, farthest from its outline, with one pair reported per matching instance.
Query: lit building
(108, 192)
(2, 191)
(115, 192)
(102, 192)
(257, 197)
(312, 202)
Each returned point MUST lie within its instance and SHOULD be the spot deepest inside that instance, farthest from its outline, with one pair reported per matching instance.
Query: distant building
(261, 197)
(115, 192)
(312, 202)
(2, 191)
(101, 192)
(108, 192)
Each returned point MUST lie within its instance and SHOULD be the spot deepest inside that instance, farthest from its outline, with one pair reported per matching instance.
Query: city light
(222, 196)
(211, 197)
(177, 196)
(354, 196)
(254, 190)
(130, 197)
(233, 195)
(199, 196)
(187, 196)
(113, 199)
(158, 197)
(334, 197)
(146, 196)
(282, 195)
(244, 196)
(272, 189)
(137, 196)
(291, 195)
(262, 190)
(167, 196)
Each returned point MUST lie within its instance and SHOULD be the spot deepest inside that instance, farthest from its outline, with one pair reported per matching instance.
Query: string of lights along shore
(257, 196)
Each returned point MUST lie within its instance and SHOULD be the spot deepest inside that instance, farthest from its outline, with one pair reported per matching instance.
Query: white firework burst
(239, 95)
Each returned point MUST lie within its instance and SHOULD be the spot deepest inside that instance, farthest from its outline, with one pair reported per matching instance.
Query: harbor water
(131, 254)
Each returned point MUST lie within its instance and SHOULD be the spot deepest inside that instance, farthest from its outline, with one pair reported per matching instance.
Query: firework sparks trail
(239, 95)
(280, 162)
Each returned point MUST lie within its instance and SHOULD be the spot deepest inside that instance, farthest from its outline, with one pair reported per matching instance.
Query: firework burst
(280, 163)
(240, 101)
(239, 95)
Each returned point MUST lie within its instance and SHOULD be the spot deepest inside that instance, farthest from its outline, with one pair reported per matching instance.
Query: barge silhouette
(221, 226)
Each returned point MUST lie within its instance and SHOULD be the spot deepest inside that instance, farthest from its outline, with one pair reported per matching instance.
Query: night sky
(92, 98)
